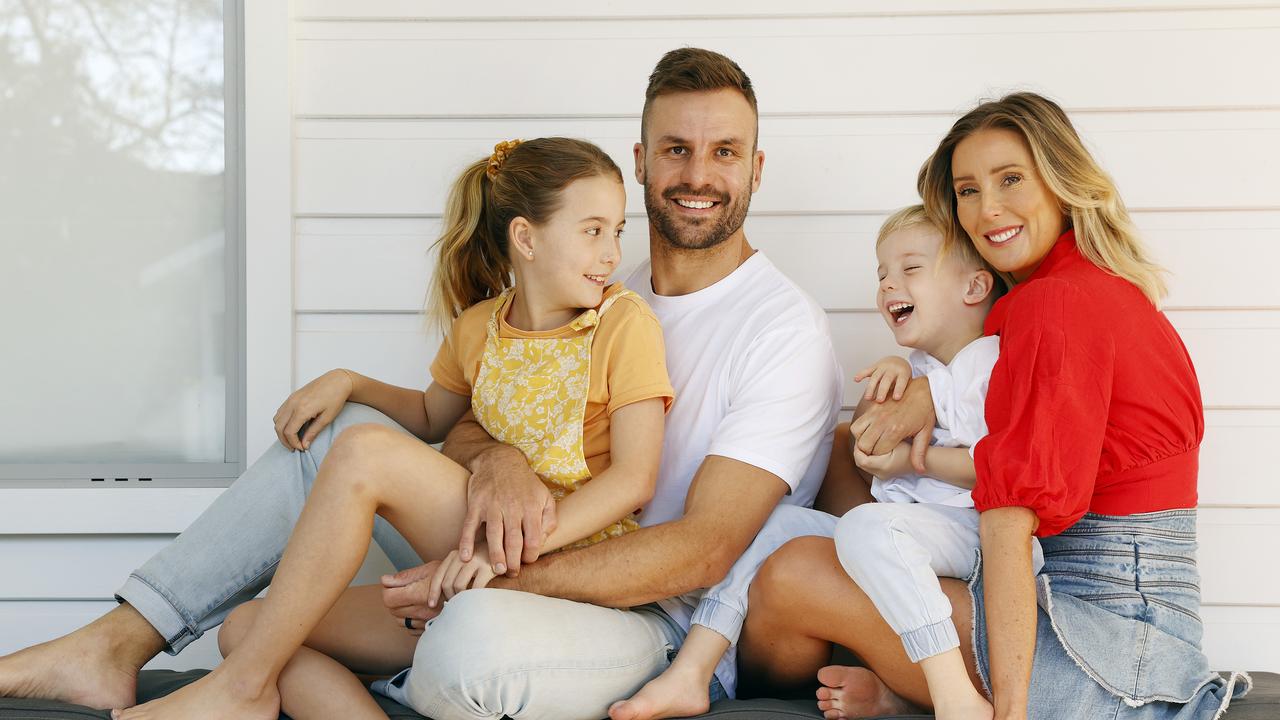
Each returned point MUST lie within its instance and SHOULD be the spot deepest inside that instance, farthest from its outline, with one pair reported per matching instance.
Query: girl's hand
(889, 465)
(319, 402)
(455, 575)
(890, 374)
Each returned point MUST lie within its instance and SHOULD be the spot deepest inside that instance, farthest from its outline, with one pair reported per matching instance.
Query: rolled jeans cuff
(157, 610)
(720, 617)
(930, 640)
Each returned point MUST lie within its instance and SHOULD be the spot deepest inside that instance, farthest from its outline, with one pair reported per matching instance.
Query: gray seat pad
(1263, 703)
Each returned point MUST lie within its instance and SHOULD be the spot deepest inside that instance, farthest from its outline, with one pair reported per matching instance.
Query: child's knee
(863, 532)
(236, 626)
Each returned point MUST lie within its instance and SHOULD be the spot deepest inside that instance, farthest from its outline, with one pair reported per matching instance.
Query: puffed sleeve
(1047, 406)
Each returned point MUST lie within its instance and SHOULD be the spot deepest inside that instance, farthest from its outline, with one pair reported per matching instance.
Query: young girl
(923, 526)
(561, 365)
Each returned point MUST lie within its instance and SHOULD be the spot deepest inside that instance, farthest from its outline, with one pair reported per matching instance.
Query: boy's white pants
(897, 551)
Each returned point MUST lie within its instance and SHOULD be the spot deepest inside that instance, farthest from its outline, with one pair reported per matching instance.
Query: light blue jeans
(228, 555)
(490, 653)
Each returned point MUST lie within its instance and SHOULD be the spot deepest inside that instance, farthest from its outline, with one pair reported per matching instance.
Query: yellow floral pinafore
(531, 393)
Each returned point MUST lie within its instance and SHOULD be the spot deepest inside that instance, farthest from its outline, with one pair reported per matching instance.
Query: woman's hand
(455, 575)
(879, 428)
(890, 374)
(319, 401)
(891, 464)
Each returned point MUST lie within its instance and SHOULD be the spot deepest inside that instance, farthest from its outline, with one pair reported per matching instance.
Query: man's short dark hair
(695, 70)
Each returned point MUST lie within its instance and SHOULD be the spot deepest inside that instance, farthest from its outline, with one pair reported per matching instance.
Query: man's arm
(517, 510)
(845, 484)
(728, 503)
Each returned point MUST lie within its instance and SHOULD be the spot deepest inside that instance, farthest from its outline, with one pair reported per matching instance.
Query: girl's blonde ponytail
(520, 179)
(473, 264)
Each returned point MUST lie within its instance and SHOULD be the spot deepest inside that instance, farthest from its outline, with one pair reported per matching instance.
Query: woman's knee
(236, 626)
(789, 570)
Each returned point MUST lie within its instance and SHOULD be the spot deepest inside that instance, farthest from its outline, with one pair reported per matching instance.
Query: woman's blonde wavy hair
(520, 179)
(1087, 196)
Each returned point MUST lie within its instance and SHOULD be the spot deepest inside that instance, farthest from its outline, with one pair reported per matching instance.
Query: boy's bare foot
(216, 696)
(82, 668)
(854, 692)
(673, 694)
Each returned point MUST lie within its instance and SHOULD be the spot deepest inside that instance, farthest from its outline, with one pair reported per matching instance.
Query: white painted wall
(390, 98)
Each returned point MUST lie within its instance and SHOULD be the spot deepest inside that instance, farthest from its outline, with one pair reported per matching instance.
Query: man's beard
(695, 234)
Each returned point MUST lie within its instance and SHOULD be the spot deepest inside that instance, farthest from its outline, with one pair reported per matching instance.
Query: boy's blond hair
(915, 215)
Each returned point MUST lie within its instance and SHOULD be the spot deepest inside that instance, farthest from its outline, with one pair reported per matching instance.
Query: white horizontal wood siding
(1175, 98)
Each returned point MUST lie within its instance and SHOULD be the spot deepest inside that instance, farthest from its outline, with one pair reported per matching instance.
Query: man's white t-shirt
(756, 380)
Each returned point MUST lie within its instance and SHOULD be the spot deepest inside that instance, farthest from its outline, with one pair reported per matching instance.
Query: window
(121, 350)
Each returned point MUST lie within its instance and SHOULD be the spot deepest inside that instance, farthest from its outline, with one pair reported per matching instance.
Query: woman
(1095, 423)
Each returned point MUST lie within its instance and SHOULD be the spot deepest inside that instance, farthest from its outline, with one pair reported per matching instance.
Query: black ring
(408, 623)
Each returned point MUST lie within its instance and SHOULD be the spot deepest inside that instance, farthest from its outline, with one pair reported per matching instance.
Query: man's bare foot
(854, 692)
(216, 696)
(673, 694)
(82, 668)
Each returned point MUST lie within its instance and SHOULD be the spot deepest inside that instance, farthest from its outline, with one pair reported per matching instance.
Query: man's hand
(517, 510)
(405, 595)
(879, 429)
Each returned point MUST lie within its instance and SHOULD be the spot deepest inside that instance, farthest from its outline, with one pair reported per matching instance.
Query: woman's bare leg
(356, 636)
(802, 601)
(370, 470)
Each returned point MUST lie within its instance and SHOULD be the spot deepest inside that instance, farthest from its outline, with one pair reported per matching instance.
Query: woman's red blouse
(1093, 405)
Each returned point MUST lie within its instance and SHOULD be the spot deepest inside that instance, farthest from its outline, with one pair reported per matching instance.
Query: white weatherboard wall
(392, 97)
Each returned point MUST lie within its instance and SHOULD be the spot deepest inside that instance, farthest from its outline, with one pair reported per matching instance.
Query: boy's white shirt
(756, 380)
(959, 400)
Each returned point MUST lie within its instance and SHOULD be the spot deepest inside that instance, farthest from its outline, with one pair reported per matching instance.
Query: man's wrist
(493, 453)
(502, 582)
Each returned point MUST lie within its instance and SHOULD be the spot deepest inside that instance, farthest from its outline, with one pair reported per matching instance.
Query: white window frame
(266, 134)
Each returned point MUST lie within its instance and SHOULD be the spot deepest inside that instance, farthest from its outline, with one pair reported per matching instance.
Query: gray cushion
(1261, 704)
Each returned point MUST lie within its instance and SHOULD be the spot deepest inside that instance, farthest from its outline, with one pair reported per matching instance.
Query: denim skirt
(1119, 629)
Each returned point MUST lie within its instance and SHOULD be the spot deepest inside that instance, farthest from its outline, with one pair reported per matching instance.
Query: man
(757, 388)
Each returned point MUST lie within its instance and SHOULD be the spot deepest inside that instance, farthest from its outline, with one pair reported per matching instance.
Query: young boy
(934, 300)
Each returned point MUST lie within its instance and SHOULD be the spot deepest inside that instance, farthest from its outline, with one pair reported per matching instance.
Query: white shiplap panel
(416, 10)
(1230, 473)
(71, 567)
(92, 567)
(1241, 638)
(395, 348)
(384, 264)
(1231, 543)
(851, 165)
(426, 69)
(1222, 354)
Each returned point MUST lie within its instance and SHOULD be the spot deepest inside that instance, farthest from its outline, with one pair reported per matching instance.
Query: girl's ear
(520, 234)
(979, 288)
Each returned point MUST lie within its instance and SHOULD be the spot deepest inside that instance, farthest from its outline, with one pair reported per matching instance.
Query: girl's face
(577, 249)
(1002, 203)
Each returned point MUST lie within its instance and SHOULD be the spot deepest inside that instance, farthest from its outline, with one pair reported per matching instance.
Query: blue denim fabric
(230, 552)
(1119, 627)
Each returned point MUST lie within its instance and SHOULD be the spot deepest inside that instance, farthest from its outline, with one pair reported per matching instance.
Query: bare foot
(673, 694)
(854, 692)
(216, 696)
(81, 668)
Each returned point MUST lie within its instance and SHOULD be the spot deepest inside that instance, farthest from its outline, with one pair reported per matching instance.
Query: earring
(530, 254)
